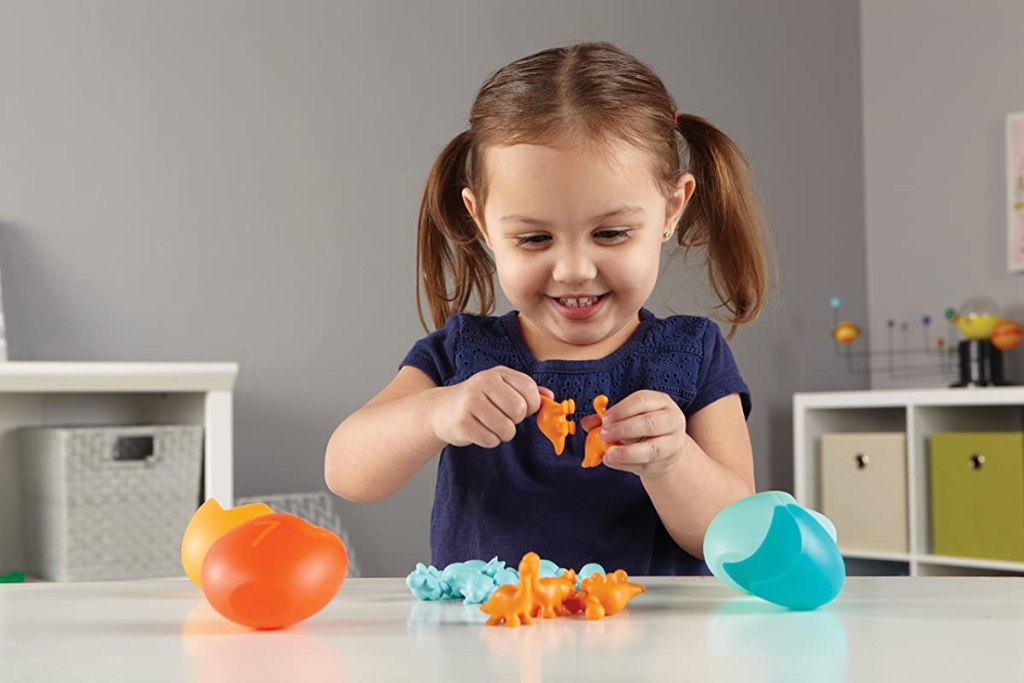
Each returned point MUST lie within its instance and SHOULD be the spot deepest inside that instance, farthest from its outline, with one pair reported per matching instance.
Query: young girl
(566, 185)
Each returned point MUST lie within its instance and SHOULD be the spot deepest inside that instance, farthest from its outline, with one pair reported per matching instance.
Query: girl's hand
(485, 409)
(650, 429)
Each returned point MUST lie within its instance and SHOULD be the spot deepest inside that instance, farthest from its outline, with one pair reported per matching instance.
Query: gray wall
(939, 79)
(238, 180)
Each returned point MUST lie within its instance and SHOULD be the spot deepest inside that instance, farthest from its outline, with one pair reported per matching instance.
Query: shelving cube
(920, 414)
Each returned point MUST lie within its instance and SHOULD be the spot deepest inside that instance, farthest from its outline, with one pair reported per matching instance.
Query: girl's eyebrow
(624, 210)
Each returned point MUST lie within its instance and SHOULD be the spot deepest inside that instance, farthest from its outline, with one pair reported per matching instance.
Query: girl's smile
(578, 306)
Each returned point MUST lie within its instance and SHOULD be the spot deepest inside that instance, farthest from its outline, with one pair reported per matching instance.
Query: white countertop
(880, 628)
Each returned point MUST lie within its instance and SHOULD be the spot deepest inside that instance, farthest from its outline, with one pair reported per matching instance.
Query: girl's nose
(573, 266)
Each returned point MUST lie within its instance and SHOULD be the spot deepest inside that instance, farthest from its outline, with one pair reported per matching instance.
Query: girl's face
(576, 232)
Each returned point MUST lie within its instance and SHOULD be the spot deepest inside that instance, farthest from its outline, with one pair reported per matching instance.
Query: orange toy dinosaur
(595, 447)
(606, 595)
(514, 604)
(551, 419)
(550, 594)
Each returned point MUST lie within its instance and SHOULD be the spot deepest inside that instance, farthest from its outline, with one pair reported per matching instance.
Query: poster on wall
(1015, 191)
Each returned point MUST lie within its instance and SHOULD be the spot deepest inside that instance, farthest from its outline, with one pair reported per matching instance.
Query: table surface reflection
(880, 628)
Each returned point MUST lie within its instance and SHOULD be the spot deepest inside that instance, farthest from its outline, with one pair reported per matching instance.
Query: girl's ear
(469, 199)
(677, 202)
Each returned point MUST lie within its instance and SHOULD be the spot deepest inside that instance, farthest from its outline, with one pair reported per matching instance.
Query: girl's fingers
(642, 426)
(636, 456)
(478, 433)
(643, 401)
(524, 385)
(510, 402)
(494, 420)
(590, 421)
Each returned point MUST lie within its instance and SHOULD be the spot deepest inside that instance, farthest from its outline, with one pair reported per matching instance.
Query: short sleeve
(435, 353)
(719, 375)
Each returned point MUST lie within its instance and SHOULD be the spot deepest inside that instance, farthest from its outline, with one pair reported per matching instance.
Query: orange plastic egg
(209, 523)
(274, 571)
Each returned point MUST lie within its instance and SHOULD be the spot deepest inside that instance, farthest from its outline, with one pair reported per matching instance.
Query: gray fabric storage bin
(102, 503)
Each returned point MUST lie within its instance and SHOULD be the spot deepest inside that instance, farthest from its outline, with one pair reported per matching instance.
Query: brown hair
(598, 92)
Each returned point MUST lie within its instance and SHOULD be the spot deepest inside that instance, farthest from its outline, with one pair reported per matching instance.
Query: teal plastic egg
(770, 546)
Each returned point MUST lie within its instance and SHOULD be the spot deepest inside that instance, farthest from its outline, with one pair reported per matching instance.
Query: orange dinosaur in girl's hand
(553, 423)
(595, 447)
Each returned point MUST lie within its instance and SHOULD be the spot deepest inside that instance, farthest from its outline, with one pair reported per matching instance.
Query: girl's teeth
(578, 303)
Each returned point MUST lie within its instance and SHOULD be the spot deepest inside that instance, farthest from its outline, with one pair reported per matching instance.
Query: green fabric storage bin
(977, 494)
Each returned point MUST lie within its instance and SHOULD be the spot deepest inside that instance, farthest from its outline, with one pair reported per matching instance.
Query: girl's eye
(612, 235)
(607, 236)
(531, 240)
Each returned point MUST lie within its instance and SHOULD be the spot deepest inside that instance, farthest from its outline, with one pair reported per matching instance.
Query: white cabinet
(91, 393)
(919, 414)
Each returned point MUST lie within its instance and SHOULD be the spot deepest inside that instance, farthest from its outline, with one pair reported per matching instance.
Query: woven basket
(102, 503)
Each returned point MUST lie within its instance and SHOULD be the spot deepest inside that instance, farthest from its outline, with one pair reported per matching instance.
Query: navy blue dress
(520, 496)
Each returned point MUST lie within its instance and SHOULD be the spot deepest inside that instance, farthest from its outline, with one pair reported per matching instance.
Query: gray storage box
(101, 503)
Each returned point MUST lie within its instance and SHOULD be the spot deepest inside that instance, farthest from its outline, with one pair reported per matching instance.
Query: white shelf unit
(920, 413)
(102, 393)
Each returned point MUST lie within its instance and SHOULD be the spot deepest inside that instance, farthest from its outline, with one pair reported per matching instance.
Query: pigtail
(724, 217)
(451, 261)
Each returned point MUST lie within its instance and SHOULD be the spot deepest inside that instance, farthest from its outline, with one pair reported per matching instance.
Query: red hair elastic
(675, 118)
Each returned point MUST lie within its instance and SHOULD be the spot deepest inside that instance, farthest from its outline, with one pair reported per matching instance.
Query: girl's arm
(378, 448)
(691, 469)
(714, 470)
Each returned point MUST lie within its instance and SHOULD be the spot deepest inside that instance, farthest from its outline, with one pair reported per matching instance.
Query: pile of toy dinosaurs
(598, 595)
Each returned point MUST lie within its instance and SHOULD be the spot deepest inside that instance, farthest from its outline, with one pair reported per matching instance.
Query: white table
(905, 629)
